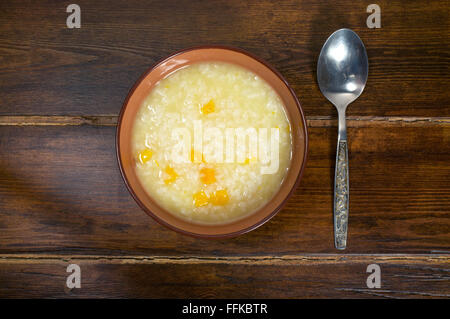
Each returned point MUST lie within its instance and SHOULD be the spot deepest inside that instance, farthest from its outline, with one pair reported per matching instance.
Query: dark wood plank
(49, 69)
(61, 192)
(298, 277)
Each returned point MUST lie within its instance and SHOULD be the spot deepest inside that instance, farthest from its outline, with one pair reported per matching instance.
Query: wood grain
(294, 277)
(39, 120)
(312, 121)
(48, 69)
(62, 199)
(61, 192)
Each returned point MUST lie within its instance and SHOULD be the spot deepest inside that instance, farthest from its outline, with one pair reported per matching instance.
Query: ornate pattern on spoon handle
(341, 196)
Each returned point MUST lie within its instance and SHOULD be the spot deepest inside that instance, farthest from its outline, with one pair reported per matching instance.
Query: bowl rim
(163, 222)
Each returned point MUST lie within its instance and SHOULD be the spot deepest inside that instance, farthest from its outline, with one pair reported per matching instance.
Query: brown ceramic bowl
(142, 89)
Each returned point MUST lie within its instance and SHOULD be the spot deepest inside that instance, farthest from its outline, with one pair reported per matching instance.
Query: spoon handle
(341, 194)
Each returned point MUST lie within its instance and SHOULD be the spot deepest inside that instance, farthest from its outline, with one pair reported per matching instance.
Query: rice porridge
(212, 143)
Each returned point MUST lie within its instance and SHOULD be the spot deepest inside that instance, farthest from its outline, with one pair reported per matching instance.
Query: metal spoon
(342, 74)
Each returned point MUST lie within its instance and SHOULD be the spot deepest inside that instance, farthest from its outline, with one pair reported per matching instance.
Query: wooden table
(63, 201)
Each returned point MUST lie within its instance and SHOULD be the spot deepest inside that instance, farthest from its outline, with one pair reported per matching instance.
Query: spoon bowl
(342, 68)
(342, 71)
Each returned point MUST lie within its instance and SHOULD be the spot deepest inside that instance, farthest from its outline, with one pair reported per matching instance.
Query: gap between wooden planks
(309, 259)
(313, 121)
